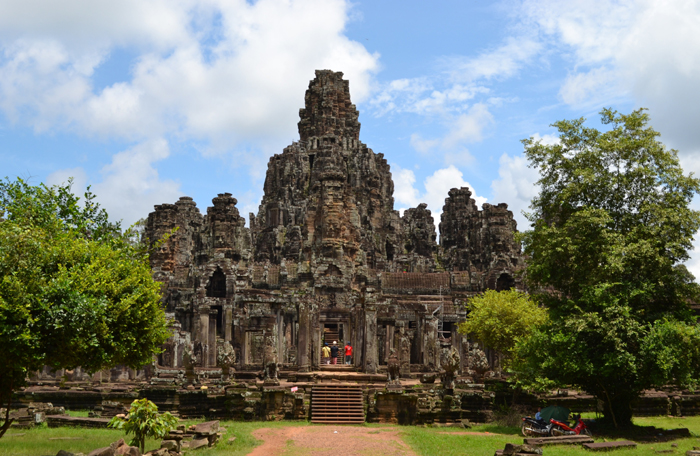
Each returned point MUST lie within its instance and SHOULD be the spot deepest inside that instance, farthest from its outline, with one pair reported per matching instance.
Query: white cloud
(86, 23)
(547, 139)
(61, 177)
(131, 186)
(501, 62)
(218, 71)
(436, 188)
(462, 129)
(405, 192)
(597, 86)
(423, 145)
(646, 48)
(693, 264)
(468, 127)
(516, 185)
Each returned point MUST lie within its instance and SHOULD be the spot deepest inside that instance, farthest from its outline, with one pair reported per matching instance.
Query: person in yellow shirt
(326, 354)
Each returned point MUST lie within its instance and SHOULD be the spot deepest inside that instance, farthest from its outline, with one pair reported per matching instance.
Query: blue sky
(149, 100)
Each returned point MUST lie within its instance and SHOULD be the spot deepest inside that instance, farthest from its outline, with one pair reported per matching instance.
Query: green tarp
(556, 412)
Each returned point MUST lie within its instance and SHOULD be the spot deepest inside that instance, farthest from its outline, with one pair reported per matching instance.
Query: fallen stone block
(126, 450)
(512, 449)
(604, 446)
(208, 428)
(170, 445)
(106, 451)
(198, 443)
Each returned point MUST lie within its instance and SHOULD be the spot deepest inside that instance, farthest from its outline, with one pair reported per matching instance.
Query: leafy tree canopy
(498, 319)
(610, 229)
(73, 290)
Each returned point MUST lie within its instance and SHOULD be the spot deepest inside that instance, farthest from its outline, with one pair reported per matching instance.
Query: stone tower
(326, 258)
(328, 201)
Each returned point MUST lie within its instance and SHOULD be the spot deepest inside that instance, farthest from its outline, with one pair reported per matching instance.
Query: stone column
(358, 337)
(463, 353)
(315, 340)
(211, 353)
(370, 348)
(304, 337)
(228, 320)
(431, 357)
(203, 336)
(404, 349)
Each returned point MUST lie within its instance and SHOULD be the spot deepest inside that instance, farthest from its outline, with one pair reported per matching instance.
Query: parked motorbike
(535, 428)
(561, 428)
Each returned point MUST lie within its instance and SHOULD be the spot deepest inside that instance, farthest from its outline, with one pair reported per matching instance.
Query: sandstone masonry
(326, 258)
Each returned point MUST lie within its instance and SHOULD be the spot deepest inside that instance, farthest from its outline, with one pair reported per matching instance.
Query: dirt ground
(330, 441)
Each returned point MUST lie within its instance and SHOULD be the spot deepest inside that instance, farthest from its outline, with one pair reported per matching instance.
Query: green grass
(36, 441)
(423, 440)
(451, 441)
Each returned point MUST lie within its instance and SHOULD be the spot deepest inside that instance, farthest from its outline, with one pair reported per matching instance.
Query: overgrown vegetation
(144, 421)
(611, 227)
(74, 291)
(500, 318)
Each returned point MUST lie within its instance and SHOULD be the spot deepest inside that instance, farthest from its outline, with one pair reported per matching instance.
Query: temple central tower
(328, 204)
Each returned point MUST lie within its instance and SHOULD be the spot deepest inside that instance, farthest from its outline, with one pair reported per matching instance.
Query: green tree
(143, 420)
(611, 227)
(499, 318)
(73, 290)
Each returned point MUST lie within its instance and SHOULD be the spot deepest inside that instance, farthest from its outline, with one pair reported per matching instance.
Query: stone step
(558, 440)
(337, 404)
(605, 446)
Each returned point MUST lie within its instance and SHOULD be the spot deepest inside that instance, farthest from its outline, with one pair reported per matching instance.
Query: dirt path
(330, 441)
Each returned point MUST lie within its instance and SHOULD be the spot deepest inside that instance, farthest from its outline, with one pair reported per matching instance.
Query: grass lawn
(449, 441)
(45, 441)
(424, 440)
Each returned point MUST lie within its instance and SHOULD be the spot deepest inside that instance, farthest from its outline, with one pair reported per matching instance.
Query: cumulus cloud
(469, 127)
(647, 49)
(63, 176)
(516, 186)
(436, 187)
(595, 87)
(226, 76)
(223, 72)
(461, 130)
(131, 186)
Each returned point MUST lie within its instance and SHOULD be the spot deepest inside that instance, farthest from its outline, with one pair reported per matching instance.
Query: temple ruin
(327, 258)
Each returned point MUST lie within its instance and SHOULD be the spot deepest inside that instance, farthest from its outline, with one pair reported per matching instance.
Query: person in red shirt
(348, 353)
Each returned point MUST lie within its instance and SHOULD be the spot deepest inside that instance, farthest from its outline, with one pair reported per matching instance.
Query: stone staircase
(337, 404)
(330, 336)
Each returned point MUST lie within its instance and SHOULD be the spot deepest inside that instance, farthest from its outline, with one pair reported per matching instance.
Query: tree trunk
(6, 400)
(617, 407)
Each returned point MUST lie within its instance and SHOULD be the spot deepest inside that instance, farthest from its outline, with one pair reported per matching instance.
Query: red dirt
(330, 441)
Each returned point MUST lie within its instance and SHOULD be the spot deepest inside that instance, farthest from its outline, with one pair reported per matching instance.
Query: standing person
(348, 353)
(334, 353)
(326, 354)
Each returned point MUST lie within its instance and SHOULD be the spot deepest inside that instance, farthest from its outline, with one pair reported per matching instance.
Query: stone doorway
(333, 332)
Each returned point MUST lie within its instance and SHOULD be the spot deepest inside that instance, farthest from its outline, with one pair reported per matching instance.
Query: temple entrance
(333, 332)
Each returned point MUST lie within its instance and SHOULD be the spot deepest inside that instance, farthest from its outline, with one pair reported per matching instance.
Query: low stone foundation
(410, 403)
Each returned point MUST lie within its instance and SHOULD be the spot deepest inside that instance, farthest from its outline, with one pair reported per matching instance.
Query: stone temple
(327, 258)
